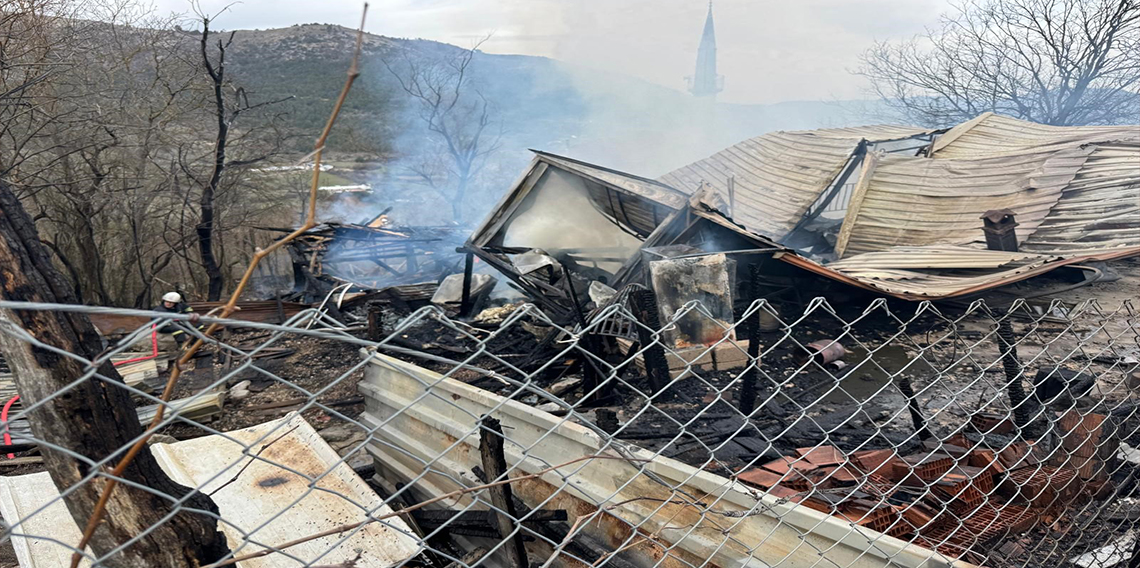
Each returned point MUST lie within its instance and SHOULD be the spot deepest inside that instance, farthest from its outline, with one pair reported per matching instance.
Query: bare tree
(1061, 62)
(457, 114)
(226, 112)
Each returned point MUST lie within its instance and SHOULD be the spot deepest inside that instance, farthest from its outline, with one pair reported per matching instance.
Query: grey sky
(768, 51)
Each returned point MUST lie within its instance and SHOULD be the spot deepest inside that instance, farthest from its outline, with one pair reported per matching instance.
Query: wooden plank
(14, 462)
(198, 408)
(495, 467)
(138, 371)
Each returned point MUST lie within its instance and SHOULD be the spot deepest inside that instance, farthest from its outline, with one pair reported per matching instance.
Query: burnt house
(896, 211)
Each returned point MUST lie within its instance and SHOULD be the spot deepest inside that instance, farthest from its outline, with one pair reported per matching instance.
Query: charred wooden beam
(644, 304)
(465, 300)
(494, 462)
(478, 523)
(748, 387)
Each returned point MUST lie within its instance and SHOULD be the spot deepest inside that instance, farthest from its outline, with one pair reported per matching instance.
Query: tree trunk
(93, 419)
(90, 257)
(457, 209)
(205, 228)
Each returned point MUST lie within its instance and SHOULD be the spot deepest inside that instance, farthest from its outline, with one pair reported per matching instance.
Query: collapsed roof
(895, 210)
(373, 256)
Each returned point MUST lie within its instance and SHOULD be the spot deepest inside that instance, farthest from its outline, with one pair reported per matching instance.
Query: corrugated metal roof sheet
(931, 257)
(1075, 190)
(913, 226)
(933, 271)
(1099, 211)
(919, 201)
(990, 135)
(872, 133)
(941, 283)
(779, 175)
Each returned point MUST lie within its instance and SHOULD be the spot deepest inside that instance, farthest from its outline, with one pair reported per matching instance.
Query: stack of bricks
(956, 497)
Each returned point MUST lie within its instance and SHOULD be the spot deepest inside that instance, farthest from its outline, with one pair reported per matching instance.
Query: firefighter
(172, 303)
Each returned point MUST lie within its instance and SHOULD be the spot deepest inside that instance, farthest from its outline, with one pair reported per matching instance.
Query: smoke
(611, 119)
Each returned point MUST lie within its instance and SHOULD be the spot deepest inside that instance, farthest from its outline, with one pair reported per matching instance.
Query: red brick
(876, 461)
(822, 455)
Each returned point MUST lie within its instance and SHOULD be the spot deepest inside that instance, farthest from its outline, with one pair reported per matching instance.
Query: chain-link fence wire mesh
(826, 435)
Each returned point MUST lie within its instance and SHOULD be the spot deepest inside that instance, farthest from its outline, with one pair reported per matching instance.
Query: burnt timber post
(375, 330)
(595, 384)
(644, 305)
(465, 299)
(95, 418)
(607, 420)
(1011, 364)
(494, 461)
(916, 417)
(752, 329)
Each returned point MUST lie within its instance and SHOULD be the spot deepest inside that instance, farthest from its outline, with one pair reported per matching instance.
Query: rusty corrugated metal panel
(779, 175)
(943, 284)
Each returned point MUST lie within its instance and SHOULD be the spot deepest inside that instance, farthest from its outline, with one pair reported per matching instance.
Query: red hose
(154, 350)
(11, 401)
(4, 419)
(7, 406)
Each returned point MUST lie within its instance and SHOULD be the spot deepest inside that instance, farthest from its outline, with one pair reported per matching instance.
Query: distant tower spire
(705, 82)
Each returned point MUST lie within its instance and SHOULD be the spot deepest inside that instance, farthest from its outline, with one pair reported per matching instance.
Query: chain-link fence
(817, 435)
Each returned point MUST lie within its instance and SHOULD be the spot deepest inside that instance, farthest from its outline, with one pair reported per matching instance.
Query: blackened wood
(916, 416)
(596, 387)
(94, 418)
(495, 467)
(465, 300)
(607, 420)
(1012, 366)
(470, 559)
(644, 304)
(752, 330)
(374, 327)
(280, 309)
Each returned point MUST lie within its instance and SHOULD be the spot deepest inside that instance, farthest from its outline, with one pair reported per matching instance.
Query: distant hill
(608, 118)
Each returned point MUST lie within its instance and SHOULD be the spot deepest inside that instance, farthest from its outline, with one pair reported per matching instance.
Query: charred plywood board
(427, 436)
(270, 503)
(708, 279)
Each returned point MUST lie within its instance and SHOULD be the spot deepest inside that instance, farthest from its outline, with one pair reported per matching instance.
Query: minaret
(705, 82)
